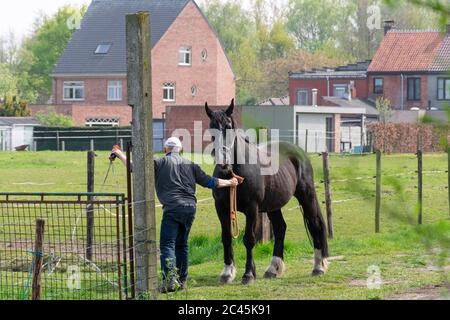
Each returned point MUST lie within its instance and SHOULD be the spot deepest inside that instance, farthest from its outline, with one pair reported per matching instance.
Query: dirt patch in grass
(427, 293)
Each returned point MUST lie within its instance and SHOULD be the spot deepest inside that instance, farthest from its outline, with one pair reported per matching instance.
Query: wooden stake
(420, 184)
(326, 181)
(140, 99)
(90, 206)
(378, 193)
(37, 260)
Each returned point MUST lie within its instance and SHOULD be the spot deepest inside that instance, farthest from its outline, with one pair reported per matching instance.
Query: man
(176, 179)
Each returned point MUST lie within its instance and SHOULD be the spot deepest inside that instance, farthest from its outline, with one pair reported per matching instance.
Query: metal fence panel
(67, 273)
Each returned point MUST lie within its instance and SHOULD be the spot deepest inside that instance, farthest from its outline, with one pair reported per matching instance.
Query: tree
(12, 107)
(50, 118)
(383, 105)
(312, 22)
(41, 51)
(8, 83)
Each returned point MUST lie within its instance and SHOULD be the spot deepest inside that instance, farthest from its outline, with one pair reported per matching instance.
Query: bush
(50, 118)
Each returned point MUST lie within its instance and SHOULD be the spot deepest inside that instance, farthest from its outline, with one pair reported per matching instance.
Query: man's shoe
(172, 286)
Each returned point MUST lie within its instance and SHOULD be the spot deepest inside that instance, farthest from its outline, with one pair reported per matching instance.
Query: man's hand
(228, 183)
(234, 182)
(120, 155)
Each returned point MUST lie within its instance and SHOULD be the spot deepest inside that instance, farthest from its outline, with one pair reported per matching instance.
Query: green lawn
(404, 253)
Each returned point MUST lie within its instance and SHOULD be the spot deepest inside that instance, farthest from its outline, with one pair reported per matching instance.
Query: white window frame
(303, 92)
(184, 52)
(169, 86)
(339, 88)
(115, 87)
(102, 122)
(73, 86)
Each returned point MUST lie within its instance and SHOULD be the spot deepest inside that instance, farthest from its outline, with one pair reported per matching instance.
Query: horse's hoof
(316, 273)
(248, 279)
(269, 275)
(276, 268)
(228, 274)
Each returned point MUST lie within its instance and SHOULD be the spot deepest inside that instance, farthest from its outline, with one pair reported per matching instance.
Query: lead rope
(233, 209)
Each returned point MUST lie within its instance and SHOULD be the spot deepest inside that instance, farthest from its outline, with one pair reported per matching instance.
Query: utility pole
(140, 99)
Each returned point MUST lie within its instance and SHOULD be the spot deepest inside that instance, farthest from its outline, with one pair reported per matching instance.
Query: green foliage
(383, 105)
(50, 118)
(8, 82)
(41, 52)
(12, 107)
(313, 22)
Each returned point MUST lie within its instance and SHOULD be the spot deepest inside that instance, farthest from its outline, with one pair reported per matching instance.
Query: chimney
(314, 97)
(388, 25)
(448, 29)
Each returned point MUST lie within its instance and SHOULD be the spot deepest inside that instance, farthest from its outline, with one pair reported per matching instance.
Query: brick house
(342, 108)
(410, 68)
(189, 65)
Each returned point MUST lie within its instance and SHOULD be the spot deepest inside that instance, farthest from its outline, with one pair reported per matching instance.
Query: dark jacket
(176, 179)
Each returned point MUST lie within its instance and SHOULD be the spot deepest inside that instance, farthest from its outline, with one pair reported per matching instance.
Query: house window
(302, 97)
(184, 56)
(73, 91)
(443, 89)
(102, 122)
(103, 48)
(340, 90)
(169, 92)
(413, 89)
(378, 85)
(114, 90)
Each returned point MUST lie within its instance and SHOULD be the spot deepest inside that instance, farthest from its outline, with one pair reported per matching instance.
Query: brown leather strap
(233, 208)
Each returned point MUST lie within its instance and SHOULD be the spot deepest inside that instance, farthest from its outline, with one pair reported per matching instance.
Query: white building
(16, 132)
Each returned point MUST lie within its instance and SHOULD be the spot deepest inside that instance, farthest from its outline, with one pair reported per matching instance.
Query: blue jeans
(175, 227)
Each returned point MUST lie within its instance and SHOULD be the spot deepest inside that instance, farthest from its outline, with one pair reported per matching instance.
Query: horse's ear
(230, 109)
(208, 110)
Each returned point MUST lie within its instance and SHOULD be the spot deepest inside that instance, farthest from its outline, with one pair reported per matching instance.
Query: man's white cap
(173, 142)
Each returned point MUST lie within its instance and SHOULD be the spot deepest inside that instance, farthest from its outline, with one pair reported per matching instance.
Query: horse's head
(221, 121)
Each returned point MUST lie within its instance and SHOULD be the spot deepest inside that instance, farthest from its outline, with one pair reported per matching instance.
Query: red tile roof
(441, 62)
(406, 50)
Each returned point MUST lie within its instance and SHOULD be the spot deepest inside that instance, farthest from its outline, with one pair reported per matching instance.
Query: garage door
(314, 132)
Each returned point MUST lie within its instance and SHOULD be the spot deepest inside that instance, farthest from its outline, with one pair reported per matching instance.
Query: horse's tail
(312, 214)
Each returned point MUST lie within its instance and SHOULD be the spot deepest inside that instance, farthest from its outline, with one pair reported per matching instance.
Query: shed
(16, 132)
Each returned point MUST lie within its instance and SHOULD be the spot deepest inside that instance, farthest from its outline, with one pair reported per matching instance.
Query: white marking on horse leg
(320, 263)
(228, 274)
(276, 268)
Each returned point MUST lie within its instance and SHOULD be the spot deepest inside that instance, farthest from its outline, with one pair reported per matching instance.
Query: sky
(18, 15)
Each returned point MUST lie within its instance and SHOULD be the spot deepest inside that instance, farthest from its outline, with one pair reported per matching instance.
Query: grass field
(411, 259)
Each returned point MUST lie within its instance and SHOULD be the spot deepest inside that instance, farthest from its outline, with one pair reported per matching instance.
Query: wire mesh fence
(85, 246)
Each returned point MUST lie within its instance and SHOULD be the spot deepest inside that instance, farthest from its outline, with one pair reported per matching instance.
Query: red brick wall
(183, 117)
(80, 113)
(321, 86)
(95, 91)
(392, 91)
(213, 77)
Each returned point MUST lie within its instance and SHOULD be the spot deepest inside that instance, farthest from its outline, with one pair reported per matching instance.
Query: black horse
(264, 193)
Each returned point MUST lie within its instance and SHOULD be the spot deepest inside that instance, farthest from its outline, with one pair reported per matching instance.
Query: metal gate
(85, 253)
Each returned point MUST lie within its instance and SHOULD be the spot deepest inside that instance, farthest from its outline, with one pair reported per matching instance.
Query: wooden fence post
(264, 230)
(326, 181)
(420, 184)
(378, 193)
(140, 99)
(37, 260)
(90, 206)
(306, 141)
